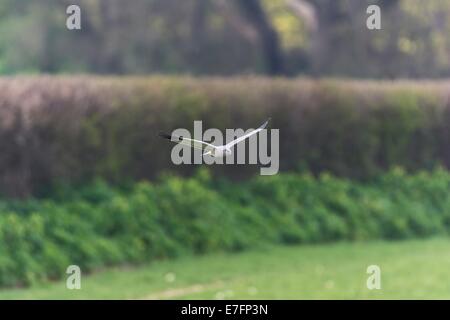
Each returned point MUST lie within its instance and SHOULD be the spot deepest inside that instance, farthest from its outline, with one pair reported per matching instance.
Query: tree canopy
(227, 37)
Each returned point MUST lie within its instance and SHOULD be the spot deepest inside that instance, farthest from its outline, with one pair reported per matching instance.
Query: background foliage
(285, 37)
(73, 130)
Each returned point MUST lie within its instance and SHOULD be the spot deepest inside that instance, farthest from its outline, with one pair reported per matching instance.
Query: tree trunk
(255, 14)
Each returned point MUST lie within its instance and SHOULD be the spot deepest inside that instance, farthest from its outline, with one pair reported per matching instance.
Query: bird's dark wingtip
(165, 135)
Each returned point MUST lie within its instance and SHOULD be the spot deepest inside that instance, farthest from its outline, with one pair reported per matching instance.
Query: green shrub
(98, 225)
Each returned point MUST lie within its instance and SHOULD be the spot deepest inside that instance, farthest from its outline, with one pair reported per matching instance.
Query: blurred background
(364, 149)
(201, 37)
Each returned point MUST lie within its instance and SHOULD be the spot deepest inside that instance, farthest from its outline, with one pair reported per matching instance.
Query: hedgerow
(76, 129)
(98, 225)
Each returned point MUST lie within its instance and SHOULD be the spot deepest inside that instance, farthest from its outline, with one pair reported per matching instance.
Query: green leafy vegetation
(99, 226)
(413, 269)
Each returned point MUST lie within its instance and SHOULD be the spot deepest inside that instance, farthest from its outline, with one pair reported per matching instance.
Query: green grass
(410, 270)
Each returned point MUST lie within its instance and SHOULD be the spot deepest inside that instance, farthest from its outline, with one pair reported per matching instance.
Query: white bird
(211, 150)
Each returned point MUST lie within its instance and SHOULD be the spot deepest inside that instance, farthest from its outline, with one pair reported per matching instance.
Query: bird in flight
(209, 149)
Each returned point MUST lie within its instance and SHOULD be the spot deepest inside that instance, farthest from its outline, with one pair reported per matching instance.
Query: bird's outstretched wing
(196, 144)
(242, 138)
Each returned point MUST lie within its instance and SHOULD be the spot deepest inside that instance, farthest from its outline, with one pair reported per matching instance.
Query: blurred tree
(254, 12)
(318, 37)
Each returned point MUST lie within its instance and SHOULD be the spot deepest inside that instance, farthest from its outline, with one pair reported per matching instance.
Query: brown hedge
(73, 129)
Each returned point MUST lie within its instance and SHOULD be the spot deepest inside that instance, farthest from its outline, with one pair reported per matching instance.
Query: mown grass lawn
(410, 270)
